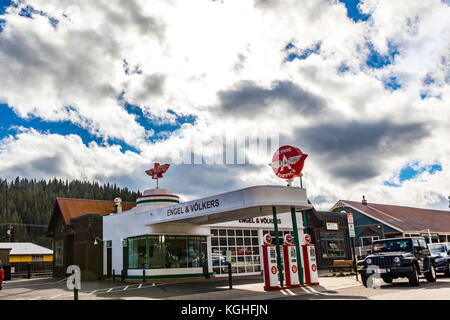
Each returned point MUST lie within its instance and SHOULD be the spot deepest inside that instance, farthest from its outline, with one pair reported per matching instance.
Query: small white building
(167, 238)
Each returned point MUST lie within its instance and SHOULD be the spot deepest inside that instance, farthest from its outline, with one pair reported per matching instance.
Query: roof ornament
(364, 201)
(157, 172)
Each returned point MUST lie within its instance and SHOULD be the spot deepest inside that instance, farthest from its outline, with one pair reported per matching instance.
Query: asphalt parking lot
(244, 288)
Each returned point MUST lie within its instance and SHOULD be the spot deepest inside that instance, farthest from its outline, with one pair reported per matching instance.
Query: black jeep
(399, 258)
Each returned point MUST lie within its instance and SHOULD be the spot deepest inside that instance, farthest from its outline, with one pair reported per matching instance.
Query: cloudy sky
(99, 90)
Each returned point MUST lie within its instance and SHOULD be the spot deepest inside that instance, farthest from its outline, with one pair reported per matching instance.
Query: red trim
(287, 269)
(158, 195)
(306, 263)
(266, 266)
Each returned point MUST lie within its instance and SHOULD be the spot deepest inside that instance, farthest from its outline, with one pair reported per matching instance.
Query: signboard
(351, 231)
(267, 238)
(288, 238)
(351, 226)
(332, 226)
(274, 270)
(307, 238)
(350, 217)
(287, 162)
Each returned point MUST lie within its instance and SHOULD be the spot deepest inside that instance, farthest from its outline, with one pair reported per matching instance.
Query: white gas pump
(290, 262)
(310, 262)
(270, 264)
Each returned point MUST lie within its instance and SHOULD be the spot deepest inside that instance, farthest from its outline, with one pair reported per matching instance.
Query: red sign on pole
(287, 162)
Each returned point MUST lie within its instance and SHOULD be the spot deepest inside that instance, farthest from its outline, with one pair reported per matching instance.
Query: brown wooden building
(74, 226)
(329, 233)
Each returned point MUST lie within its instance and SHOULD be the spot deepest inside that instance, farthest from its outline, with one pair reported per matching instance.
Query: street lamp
(96, 240)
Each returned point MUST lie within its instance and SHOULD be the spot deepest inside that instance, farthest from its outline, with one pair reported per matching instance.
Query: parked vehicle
(399, 257)
(2, 275)
(441, 254)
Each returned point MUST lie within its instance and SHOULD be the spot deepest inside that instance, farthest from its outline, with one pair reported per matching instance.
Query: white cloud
(189, 54)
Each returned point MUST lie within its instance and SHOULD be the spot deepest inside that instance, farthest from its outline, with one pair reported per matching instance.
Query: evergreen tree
(25, 201)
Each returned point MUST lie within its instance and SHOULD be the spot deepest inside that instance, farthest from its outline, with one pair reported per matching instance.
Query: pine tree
(25, 201)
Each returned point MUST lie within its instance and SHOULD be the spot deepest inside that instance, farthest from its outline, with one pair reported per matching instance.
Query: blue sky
(353, 12)
(411, 171)
(10, 122)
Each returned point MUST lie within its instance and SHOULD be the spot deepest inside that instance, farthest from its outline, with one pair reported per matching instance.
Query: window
(244, 248)
(137, 252)
(422, 243)
(392, 245)
(332, 244)
(167, 252)
(367, 241)
(59, 253)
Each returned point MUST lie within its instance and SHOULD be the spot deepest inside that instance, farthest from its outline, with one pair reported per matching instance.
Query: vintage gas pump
(290, 262)
(310, 262)
(270, 264)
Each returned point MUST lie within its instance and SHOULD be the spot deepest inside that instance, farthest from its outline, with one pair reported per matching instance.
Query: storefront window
(176, 253)
(59, 253)
(243, 246)
(332, 245)
(137, 252)
(166, 252)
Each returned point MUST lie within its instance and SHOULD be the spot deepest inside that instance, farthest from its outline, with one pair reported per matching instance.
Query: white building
(172, 239)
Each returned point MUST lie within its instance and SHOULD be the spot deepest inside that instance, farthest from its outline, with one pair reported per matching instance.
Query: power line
(24, 224)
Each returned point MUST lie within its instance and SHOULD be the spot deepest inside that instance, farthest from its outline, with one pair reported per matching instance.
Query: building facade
(329, 232)
(23, 254)
(196, 238)
(74, 226)
(380, 221)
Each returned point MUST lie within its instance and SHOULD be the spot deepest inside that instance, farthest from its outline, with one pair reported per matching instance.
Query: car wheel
(387, 279)
(414, 277)
(431, 275)
(364, 279)
(447, 269)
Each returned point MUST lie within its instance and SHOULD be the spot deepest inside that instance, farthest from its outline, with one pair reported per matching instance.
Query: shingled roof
(404, 219)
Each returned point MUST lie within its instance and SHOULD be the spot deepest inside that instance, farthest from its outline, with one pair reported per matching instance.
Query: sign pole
(352, 234)
(297, 245)
(354, 258)
(277, 242)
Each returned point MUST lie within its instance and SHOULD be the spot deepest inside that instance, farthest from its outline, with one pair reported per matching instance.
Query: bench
(346, 265)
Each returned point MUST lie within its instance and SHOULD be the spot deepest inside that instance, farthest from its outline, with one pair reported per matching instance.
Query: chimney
(364, 201)
(118, 205)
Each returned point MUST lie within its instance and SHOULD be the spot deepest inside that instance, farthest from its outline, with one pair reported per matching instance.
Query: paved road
(398, 290)
(248, 288)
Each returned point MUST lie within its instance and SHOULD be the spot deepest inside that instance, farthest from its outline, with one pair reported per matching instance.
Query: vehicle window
(392, 245)
(422, 243)
(415, 243)
(436, 248)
